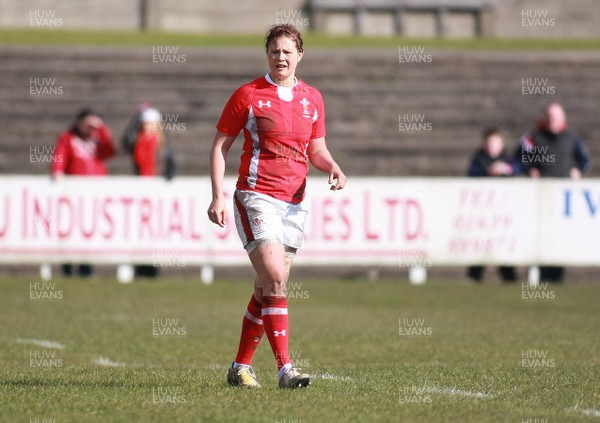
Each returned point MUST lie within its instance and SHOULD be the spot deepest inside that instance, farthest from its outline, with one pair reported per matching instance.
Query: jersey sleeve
(234, 116)
(318, 128)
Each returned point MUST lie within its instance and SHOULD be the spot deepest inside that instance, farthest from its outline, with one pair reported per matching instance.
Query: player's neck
(290, 81)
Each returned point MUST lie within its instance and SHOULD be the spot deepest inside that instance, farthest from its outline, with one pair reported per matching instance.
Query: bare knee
(274, 283)
(269, 261)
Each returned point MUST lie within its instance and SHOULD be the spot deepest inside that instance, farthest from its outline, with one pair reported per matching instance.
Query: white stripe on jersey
(251, 127)
(252, 318)
(274, 310)
(315, 116)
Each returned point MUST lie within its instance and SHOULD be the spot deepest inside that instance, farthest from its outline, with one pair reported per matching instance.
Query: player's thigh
(268, 260)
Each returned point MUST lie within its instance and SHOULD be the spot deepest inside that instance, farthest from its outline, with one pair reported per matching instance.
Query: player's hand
(534, 172)
(337, 179)
(217, 212)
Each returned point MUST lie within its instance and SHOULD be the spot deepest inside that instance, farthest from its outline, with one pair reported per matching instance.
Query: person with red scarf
(553, 150)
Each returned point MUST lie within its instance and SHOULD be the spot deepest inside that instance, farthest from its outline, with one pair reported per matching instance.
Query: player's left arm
(320, 157)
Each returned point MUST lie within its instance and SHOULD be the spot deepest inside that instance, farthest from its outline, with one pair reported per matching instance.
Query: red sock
(275, 318)
(252, 332)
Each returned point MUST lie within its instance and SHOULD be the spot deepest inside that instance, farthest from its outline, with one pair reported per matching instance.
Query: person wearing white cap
(148, 143)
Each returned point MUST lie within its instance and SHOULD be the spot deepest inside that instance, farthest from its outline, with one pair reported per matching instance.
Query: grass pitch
(314, 40)
(386, 351)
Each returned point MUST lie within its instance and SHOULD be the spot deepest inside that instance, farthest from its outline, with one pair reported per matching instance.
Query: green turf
(312, 40)
(344, 333)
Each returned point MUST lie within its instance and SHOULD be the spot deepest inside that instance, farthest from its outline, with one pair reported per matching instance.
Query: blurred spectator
(491, 160)
(84, 147)
(149, 138)
(81, 151)
(143, 138)
(553, 150)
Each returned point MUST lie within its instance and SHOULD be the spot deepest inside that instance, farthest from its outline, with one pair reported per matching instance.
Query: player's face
(283, 56)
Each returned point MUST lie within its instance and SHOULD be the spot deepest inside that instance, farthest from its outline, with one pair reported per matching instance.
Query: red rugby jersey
(278, 124)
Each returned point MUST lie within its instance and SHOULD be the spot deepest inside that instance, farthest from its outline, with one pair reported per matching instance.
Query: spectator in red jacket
(148, 143)
(83, 148)
(145, 154)
(81, 151)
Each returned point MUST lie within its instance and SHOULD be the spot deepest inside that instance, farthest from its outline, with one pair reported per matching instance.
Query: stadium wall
(508, 19)
(410, 222)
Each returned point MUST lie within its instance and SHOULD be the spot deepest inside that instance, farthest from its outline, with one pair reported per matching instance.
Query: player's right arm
(230, 124)
(217, 211)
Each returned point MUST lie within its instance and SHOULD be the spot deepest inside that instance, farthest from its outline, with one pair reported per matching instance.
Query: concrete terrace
(452, 94)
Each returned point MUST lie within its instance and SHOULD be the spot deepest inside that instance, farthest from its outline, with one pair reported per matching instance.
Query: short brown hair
(489, 131)
(284, 30)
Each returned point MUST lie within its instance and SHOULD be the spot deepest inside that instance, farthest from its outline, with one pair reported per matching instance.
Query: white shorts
(260, 218)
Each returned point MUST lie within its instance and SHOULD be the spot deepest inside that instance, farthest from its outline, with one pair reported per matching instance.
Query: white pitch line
(458, 392)
(107, 362)
(592, 412)
(41, 343)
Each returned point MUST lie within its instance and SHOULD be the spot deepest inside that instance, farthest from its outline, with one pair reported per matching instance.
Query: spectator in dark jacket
(553, 150)
(492, 160)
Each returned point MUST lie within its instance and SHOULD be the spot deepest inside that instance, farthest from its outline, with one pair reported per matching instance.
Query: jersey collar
(270, 81)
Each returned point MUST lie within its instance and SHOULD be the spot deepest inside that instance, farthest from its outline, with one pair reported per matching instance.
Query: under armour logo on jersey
(264, 103)
(277, 333)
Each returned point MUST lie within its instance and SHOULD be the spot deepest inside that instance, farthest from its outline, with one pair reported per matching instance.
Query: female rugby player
(284, 128)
